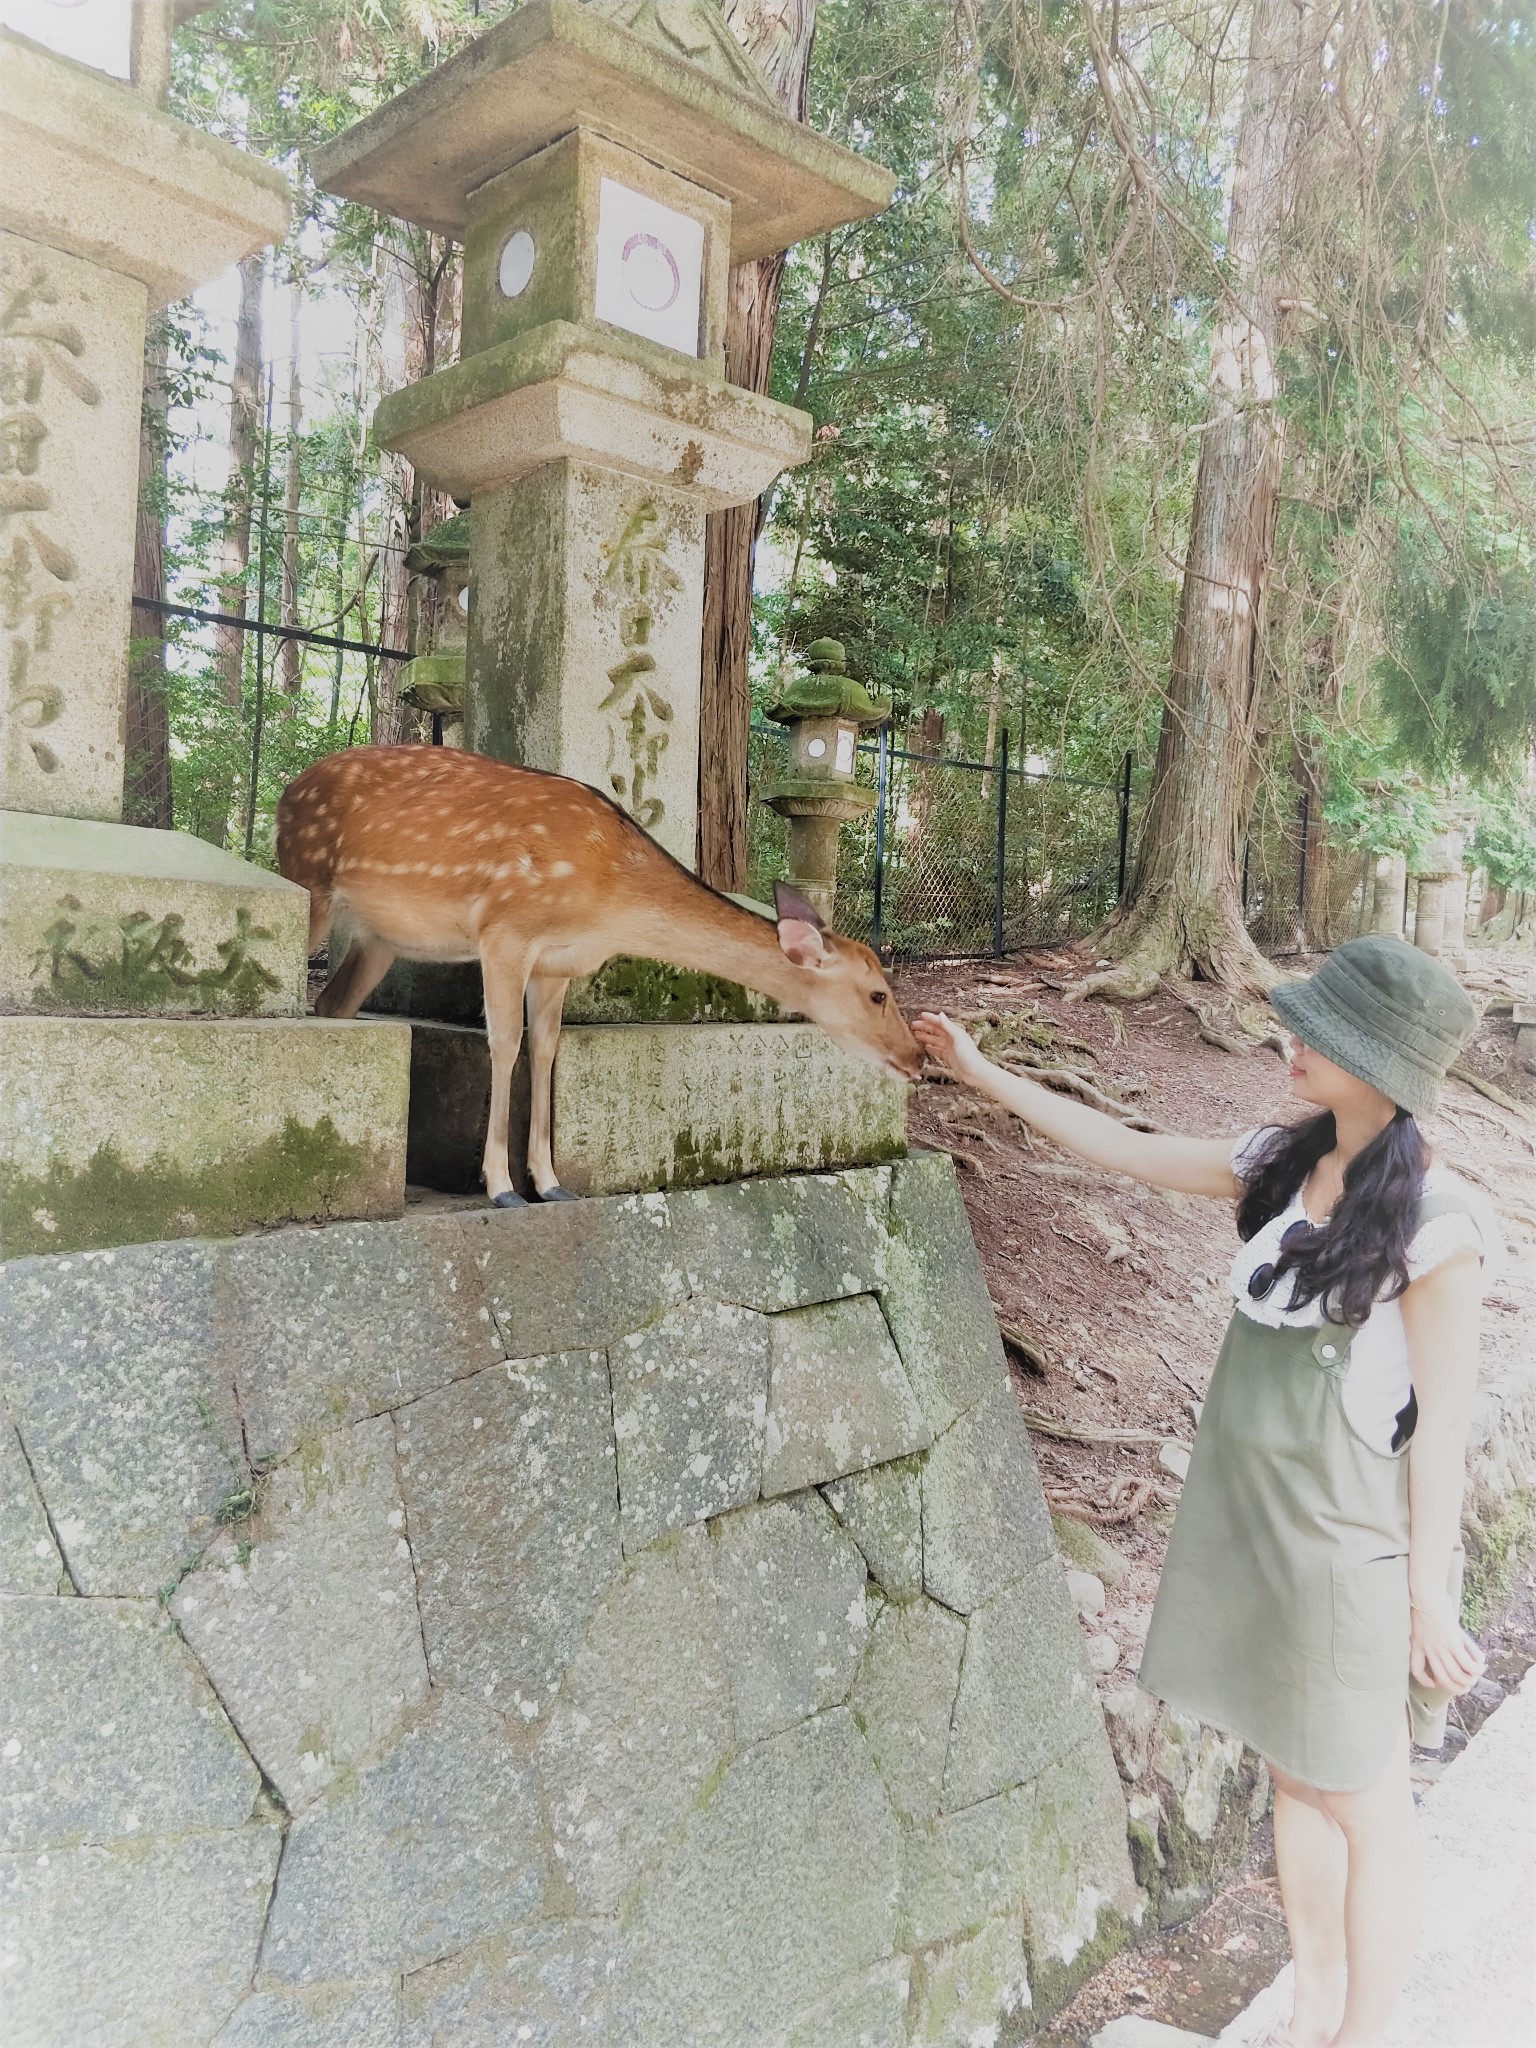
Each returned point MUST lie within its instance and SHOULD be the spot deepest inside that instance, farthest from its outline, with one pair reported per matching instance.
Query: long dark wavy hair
(1360, 1255)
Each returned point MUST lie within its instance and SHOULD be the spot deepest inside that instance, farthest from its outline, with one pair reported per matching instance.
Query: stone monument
(158, 1078)
(1437, 870)
(604, 165)
(825, 710)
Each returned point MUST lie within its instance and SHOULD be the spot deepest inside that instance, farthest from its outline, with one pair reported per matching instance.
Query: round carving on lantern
(516, 265)
(815, 748)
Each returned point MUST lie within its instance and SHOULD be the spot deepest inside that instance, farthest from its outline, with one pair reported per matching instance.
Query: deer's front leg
(504, 970)
(546, 1002)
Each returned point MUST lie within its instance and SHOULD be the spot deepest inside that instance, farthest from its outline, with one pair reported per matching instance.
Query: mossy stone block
(121, 1130)
(108, 920)
(935, 1296)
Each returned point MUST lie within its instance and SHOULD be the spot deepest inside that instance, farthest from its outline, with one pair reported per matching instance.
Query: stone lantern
(604, 166)
(434, 682)
(824, 711)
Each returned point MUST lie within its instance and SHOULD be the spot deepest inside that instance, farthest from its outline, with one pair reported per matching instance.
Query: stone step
(1135, 2031)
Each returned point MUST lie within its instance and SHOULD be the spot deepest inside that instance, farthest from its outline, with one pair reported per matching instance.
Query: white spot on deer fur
(562, 867)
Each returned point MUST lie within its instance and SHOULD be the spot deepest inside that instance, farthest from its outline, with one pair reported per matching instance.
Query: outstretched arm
(1194, 1166)
(1440, 1316)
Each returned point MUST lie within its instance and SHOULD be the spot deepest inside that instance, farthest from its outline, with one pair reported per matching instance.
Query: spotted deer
(439, 854)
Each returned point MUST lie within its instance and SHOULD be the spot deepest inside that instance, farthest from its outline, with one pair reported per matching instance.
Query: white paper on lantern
(94, 32)
(845, 740)
(650, 267)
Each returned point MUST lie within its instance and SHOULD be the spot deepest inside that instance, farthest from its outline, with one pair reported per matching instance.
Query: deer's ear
(789, 903)
(801, 942)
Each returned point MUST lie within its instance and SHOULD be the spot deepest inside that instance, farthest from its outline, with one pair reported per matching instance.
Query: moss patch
(634, 991)
(301, 1173)
(1494, 1554)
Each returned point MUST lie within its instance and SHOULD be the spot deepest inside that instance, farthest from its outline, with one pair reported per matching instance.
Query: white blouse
(1378, 1380)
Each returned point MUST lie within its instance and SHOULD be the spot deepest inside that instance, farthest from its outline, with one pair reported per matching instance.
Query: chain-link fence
(1299, 894)
(960, 857)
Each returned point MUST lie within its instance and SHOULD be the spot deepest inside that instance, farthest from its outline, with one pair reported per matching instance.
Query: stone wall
(633, 1622)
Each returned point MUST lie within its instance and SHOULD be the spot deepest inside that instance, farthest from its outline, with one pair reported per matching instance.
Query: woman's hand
(1441, 1654)
(952, 1046)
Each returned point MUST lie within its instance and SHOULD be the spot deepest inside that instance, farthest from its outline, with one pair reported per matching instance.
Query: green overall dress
(1282, 1615)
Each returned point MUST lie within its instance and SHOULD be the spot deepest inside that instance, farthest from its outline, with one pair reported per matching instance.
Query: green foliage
(1504, 837)
(1373, 805)
(1458, 680)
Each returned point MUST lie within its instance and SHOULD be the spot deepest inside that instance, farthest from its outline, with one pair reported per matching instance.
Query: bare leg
(1312, 1856)
(504, 970)
(546, 1002)
(354, 981)
(1384, 1901)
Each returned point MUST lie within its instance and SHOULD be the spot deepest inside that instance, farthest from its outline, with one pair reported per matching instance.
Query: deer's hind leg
(319, 919)
(504, 971)
(367, 962)
(546, 1003)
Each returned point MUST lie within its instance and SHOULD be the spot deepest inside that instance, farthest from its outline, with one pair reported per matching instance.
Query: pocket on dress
(1371, 1624)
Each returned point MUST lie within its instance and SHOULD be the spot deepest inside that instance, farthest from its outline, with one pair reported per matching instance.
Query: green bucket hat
(1384, 1012)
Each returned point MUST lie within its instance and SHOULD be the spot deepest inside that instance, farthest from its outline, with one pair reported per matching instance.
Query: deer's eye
(877, 995)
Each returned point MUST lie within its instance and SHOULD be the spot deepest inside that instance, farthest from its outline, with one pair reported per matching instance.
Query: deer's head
(842, 987)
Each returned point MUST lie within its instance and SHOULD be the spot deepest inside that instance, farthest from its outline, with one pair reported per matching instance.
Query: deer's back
(444, 823)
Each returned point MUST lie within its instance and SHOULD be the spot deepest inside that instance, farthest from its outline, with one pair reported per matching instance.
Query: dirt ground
(1120, 1293)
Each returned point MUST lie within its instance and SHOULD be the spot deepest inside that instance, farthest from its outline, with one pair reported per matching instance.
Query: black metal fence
(960, 857)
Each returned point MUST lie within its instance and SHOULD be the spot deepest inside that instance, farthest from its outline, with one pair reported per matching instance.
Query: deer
(444, 855)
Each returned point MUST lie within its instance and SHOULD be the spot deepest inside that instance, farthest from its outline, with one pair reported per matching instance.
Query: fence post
(1125, 819)
(882, 786)
(1301, 868)
(1002, 847)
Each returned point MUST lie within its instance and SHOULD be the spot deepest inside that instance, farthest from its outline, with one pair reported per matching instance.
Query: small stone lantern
(824, 710)
(434, 682)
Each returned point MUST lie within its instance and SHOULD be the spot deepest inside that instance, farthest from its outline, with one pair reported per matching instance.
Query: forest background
(1180, 405)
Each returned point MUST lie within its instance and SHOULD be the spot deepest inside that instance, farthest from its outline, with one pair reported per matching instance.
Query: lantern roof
(665, 78)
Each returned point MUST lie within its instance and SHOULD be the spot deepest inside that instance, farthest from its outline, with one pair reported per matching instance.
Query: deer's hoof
(510, 1200)
(558, 1194)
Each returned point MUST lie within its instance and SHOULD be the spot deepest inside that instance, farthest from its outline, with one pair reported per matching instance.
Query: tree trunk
(239, 495)
(292, 656)
(147, 726)
(777, 35)
(147, 736)
(1183, 914)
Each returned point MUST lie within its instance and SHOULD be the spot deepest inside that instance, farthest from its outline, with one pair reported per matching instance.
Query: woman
(1310, 1598)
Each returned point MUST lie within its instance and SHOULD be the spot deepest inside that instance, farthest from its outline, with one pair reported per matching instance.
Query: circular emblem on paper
(516, 266)
(651, 275)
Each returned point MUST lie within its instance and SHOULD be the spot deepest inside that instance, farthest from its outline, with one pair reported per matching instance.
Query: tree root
(1080, 1510)
(1091, 1433)
(1029, 1349)
(1491, 1089)
(1161, 936)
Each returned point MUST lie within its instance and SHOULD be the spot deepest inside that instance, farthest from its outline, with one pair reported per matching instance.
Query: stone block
(1025, 1697)
(785, 1242)
(120, 1130)
(690, 1398)
(152, 1939)
(1082, 1546)
(645, 1106)
(935, 1297)
(985, 1521)
(643, 1726)
(963, 1989)
(578, 1276)
(109, 1730)
(903, 1700)
(304, 1614)
(673, 1105)
(537, 1987)
(838, 1399)
(422, 1854)
(109, 1366)
(790, 1591)
(782, 1890)
(329, 1326)
(868, 2012)
(1133, 2030)
(882, 1510)
(1077, 1865)
(341, 2015)
(965, 1869)
(29, 1558)
(102, 172)
(103, 919)
(513, 1506)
